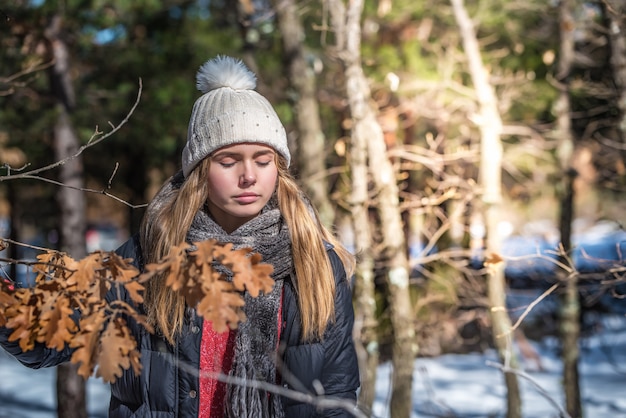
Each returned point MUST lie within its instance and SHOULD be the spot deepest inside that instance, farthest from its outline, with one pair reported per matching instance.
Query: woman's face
(242, 178)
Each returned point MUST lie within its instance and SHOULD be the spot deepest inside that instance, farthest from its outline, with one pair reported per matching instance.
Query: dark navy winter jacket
(168, 384)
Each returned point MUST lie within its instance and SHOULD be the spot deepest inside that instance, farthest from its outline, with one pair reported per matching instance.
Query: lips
(246, 198)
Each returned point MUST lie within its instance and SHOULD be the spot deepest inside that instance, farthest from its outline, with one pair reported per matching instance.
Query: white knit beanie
(230, 112)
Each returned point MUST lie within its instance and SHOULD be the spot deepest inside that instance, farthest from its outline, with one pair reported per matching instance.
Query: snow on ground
(463, 386)
(27, 393)
(470, 386)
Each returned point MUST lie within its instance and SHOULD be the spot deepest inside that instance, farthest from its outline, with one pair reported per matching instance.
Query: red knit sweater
(216, 356)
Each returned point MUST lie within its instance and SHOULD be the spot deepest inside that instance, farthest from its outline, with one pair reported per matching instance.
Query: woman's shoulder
(131, 249)
(339, 271)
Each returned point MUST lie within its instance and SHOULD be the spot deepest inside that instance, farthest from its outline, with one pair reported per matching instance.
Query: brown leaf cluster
(67, 307)
(217, 295)
(67, 304)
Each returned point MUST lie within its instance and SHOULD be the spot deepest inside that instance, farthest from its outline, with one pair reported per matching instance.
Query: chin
(247, 214)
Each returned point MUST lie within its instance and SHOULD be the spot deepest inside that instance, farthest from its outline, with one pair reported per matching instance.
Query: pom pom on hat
(224, 72)
(230, 112)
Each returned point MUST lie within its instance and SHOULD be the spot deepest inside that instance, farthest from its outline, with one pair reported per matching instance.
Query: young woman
(235, 187)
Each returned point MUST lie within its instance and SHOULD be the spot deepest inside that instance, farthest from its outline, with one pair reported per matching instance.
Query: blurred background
(494, 135)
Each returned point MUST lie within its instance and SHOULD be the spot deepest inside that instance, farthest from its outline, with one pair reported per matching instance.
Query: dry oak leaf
(22, 319)
(121, 271)
(135, 291)
(204, 251)
(189, 269)
(57, 326)
(53, 264)
(83, 275)
(86, 342)
(6, 299)
(221, 305)
(203, 259)
(493, 258)
(44, 313)
(45, 261)
(95, 273)
(173, 264)
(248, 271)
(198, 286)
(121, 268)
(117, 352)
(48, 293)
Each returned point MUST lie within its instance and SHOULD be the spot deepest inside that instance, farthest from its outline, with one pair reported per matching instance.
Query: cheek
(218, 177)
(272, 180)
(217, 184)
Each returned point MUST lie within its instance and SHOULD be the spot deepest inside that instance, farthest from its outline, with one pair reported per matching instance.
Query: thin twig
(320, 401)
(532, 305)
(117, 165)
(21, 244)
(541, 390)
(83, 189)
(29, 70)
(94, 140)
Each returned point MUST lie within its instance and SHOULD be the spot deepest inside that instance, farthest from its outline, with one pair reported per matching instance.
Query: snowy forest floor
(462, 386)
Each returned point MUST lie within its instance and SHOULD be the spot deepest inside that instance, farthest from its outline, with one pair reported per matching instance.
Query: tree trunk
(311, 152)
(354, 230)
(615, 11)
(366, 338)
(490, 126)
(570, 304)
(71, 388)
(366, 130)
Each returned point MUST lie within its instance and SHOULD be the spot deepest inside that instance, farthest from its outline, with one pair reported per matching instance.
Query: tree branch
(541, 390)
(95, 139)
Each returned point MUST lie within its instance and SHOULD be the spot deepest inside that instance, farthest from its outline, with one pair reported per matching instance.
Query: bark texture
(71, 388)
(366, 338)
(570, 304)
(616, 18)
(367, 130)
(490, 125)
(311, 149)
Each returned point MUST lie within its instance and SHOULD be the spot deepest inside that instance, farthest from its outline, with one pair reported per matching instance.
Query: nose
(248, 176)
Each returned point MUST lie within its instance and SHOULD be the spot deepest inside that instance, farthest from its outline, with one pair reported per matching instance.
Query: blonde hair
(165, 224)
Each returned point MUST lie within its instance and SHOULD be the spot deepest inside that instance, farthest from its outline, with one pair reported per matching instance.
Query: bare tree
(71, 388)
(615, 12)
(366, 338)
(365, 334)
(490, 125)
(311, 151)
(570, 304)
(367, 130)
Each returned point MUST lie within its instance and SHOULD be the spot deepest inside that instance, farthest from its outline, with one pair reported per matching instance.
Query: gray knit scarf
(256, 342)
